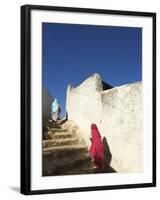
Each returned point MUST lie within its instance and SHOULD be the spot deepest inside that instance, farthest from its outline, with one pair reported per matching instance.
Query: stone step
(63, 129)
(56, 126)
(55, 130)
(60, 142)
(49, 124)
(84, 169)
(87, 168)
(60, 151)
(48, 135)
(62, 165)
(63, 135)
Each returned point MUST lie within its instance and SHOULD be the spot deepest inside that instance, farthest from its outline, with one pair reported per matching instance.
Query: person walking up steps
(55, 111)
(97, 148)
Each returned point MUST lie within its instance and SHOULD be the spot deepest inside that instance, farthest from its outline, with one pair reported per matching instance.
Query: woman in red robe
(96, 149)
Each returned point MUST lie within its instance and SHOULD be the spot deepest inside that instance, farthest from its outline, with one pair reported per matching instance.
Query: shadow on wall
(107, 156)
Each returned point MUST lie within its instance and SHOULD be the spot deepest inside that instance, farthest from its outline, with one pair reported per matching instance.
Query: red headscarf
(97, 149)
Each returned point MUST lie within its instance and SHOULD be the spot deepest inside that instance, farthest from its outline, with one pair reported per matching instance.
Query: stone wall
(46, 104)
(118, 115)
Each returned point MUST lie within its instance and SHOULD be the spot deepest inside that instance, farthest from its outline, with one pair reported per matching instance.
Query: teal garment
(54, 106)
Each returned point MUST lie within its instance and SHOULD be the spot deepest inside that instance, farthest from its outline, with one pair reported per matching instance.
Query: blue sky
(71, 53)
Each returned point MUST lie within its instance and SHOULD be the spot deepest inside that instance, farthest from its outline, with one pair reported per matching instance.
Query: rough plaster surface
(118, 115)
(46, 104)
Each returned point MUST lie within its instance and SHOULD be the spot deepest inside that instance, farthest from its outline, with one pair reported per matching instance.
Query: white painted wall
(118, 114)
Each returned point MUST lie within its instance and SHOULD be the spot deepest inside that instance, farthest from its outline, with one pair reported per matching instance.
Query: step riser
(66, 151)
(50, 135)
(53, 143)
(65, 136)
(63, 154)
(58, 130)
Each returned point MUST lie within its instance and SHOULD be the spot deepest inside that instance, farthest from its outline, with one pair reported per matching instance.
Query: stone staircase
(64, 151)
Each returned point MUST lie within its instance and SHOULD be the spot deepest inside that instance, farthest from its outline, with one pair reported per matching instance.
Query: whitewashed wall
(118, 114)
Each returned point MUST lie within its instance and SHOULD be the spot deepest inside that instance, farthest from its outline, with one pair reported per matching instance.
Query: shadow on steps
(72, 166)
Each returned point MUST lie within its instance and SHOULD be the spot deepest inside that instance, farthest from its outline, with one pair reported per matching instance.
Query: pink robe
(96, 149)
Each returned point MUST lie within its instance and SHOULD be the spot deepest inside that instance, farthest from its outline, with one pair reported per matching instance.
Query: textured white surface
(118, 114)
